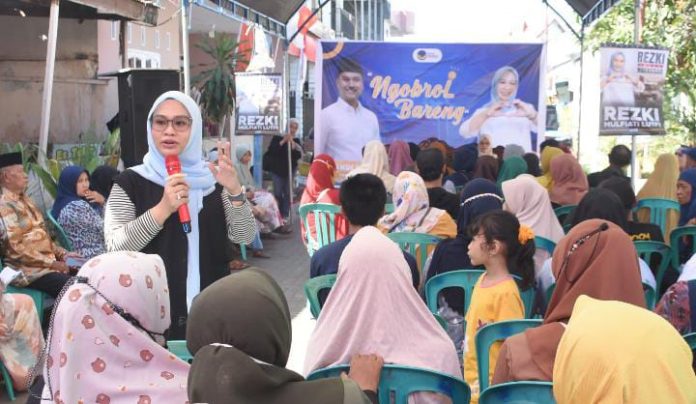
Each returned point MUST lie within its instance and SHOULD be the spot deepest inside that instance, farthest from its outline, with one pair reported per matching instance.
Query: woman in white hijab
(375, 161)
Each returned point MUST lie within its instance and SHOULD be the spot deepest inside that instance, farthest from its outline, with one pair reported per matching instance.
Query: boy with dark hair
(363, 197)
(430, 165)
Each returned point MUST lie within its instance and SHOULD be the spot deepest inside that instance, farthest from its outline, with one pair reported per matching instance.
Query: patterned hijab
(399, 157)
(412, 211)
(375, 162)
(96, 354)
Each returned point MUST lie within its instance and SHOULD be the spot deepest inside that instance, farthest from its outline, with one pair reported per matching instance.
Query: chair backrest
(324, 216)
(650, 296)
(312, 288)
(647, 250)
(562, 212)
(526, 392)
(464, 279)
(388, 208)
(416, 244)
(691, 340)
(545, 244)
(60, 235)
(179, 348)
(675, 238)
(487, 335)
(400, 381)
(659, 210)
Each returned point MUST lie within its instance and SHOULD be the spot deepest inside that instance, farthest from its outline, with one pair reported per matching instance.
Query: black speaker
(137, 91)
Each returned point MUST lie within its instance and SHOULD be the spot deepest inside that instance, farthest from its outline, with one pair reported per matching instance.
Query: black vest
(172, 245)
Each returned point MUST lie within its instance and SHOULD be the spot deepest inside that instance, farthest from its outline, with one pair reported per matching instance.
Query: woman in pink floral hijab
(105, 341)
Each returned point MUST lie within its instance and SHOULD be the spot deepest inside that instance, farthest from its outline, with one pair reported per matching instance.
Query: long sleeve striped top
(123, 231)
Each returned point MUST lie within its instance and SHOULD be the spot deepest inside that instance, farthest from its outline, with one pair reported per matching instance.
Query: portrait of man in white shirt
(346, 125)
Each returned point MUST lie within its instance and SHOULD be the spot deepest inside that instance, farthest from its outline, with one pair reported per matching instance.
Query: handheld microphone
(174, 167)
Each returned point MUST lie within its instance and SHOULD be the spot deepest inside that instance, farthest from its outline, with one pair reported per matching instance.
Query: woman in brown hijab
(239, 331)
(590, 260)
(487, 167)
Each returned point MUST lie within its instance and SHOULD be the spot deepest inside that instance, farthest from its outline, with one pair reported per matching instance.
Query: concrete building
(81, 104)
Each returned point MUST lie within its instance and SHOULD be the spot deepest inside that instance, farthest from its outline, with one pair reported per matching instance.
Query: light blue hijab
(198, 177)
(496, 78)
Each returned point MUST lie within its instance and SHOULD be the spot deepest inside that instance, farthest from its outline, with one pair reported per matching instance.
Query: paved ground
(289, 266)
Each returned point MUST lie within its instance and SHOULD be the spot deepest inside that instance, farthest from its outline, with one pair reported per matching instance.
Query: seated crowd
(121, 295)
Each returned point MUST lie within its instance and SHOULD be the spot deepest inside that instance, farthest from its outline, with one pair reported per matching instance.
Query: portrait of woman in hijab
(506, 118)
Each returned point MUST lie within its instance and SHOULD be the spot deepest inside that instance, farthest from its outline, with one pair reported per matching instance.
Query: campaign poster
(259, 102)
(415, 91)
(632, 82)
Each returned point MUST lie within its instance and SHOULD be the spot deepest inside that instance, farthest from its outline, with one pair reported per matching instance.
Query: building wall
(77, 102)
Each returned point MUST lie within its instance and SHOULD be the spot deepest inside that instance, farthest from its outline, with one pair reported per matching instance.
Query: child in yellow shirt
(503, 247)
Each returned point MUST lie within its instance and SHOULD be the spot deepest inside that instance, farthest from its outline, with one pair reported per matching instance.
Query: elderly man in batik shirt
(25, 244)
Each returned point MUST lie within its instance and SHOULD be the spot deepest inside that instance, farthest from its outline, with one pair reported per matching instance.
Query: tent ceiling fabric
(279, 10)
(582, 7)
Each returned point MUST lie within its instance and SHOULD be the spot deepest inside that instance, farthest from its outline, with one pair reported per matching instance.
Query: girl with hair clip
(503, 247)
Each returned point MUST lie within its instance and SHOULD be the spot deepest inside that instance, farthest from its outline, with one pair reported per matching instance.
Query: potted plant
(215, 82)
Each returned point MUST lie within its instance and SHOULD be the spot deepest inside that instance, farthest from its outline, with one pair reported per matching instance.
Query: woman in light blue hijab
(143, 211)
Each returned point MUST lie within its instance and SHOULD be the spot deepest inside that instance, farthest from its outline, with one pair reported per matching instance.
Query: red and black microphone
(174, 167)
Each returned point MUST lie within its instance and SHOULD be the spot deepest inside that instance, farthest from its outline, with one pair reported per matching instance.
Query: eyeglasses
(179, 123)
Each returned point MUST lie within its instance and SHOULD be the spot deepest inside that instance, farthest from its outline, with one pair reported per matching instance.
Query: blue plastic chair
(659, 210)
(489, 334)
(691, 340)
(312, 288)
(179, 348)
(416, 244)
(388, 208)
(648, 249)
(60, 235)
(545, 244)
(674, 240)
(650, 296)
(562, 212)
(9, 387)
(324, 215)
(401, 381)
(526, 392)
(464, 279)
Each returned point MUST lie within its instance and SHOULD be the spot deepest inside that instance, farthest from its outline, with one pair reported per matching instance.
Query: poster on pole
(632, 82)
(259, 102)
(416, 91)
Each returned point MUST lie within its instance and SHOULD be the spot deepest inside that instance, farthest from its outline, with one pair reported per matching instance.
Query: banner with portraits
(455, 93)
(632, 82)
(259, 102)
